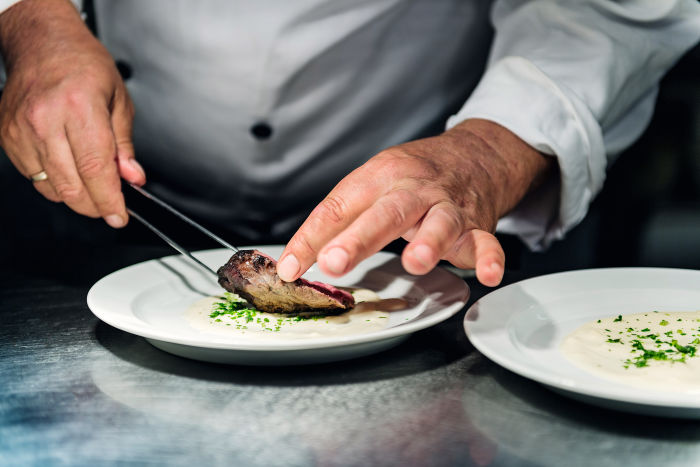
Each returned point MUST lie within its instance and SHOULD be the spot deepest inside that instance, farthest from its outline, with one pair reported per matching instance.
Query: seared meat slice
(253, 276)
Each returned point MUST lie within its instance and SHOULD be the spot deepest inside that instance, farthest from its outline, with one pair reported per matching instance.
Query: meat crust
(253, 275)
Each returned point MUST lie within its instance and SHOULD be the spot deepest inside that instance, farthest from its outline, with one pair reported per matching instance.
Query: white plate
(149, 299)
(521, 326)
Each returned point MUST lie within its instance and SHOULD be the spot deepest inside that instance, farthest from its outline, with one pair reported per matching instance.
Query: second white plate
(521, 327)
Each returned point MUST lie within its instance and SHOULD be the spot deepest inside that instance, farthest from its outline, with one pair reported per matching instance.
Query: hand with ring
(65, 115)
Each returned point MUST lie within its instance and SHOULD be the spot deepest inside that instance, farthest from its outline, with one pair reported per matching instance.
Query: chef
(435, 121)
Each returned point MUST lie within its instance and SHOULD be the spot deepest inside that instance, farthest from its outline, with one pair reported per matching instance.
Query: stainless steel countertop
(75, 391)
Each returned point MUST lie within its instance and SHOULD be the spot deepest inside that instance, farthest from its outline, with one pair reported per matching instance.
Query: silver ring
(37, 177)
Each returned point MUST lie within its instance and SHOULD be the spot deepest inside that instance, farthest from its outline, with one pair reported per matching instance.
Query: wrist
(515, 167)
(37, 29)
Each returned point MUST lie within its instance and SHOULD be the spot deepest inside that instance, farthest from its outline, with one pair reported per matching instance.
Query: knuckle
(69, 192)
(91, 164)
(75, 97)
(388, 162)
(124, 144)
(398, 162)
(36, 116)
(396, 206)
(391, 155)
(9, 133)
(332, 209)
(301, 244)
(354, 244)
(393, 212)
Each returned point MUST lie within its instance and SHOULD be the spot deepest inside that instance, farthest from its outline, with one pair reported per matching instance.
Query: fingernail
(336, 260)
(424, 254)
(497, 271)
(113, 220)
(288, 268)
(137, 166)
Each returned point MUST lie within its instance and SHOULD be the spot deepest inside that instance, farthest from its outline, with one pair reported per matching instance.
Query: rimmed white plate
(149, 299)
(521, 327)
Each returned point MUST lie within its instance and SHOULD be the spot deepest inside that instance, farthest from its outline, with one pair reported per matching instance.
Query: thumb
(122, 118)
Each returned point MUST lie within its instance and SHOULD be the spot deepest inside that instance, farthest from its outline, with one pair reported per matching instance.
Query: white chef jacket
(248, 113)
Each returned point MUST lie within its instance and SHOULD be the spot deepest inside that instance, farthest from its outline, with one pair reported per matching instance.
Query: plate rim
(620, 392)
(417, 324)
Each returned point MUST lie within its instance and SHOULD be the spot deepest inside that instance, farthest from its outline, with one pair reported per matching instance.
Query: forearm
(35, 29)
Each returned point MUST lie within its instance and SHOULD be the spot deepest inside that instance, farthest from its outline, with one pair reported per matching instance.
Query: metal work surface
(75, 391)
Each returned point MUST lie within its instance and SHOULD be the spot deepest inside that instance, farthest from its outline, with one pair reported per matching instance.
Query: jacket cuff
(517, 95)
(5, 4)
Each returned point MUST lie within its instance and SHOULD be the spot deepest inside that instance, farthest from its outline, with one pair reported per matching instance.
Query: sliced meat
(253, 276)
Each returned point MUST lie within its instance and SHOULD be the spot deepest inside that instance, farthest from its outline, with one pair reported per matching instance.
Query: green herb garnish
(664, 350)
(243, 313)
(234, 307)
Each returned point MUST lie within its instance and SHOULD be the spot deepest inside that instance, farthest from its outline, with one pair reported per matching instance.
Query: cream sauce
(614, 348)
(369, 314)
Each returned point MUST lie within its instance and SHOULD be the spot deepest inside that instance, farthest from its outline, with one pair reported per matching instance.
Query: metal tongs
(169, 240)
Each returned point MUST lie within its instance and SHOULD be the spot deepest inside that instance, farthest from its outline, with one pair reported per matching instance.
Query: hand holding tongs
(167, 239)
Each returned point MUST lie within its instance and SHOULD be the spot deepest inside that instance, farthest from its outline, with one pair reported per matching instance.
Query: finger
(19, 148)
(436, 235)
(58, 163)
(46, 189)
(30, 164)
(354, 194)
(122, 120)
(386, 220)
(21, 151)
(92, 141)
(480, 250)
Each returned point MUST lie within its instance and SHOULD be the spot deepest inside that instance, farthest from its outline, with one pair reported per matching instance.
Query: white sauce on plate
(368, 315)
(655, 350)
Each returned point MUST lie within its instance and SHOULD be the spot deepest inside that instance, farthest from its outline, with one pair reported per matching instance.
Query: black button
(124, 69)
(261, 130)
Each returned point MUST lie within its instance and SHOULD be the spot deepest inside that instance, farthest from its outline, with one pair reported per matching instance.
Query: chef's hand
(443, 195)
(65, 110)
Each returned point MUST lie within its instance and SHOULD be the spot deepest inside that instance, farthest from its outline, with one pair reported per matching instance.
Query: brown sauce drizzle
(387, 304)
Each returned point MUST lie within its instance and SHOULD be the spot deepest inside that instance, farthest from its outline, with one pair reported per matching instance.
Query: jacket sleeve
(577, 80)
(5, 4)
